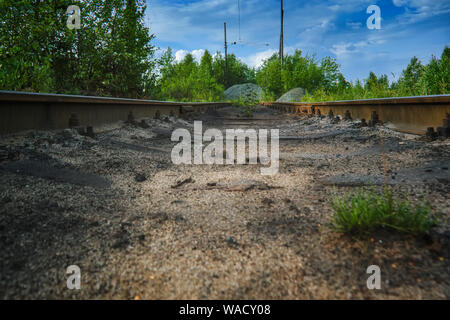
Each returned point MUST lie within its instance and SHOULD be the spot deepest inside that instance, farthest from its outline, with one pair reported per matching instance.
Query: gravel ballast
(140, 227)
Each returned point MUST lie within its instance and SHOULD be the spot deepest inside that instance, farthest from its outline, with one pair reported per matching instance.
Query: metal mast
(281, 34)
(226, 54)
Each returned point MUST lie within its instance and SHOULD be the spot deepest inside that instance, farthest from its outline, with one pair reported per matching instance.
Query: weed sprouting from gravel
(246, 106)
(365, 211)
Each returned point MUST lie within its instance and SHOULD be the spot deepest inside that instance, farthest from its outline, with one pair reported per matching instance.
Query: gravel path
(140, 227)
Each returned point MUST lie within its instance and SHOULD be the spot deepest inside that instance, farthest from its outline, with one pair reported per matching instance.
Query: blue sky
(335, 28)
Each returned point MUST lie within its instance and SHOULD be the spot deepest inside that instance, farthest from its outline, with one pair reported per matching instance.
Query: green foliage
(246, 106)
(410, 83)
(187, 80)
(304, 72)
(250, 100)
(110, 55)
(268, 78)
(297, 71)
(205, 81)
(416, 79)
(437, 74)
(366, 211)
(238, 72)
(323, 80)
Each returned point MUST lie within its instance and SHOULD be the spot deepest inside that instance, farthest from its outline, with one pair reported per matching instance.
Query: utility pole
(226, 54)
(281, 35)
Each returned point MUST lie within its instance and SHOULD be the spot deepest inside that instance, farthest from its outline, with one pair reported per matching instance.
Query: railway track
(24, 111)
(139, 225)
(408, 114)
(21, 111)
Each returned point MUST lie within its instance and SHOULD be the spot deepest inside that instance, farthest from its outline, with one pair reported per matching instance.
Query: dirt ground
(140, 227)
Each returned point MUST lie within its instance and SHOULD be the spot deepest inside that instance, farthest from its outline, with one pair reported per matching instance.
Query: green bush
(111, 54)
(366, 211)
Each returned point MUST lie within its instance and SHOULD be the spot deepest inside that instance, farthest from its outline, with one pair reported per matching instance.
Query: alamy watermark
(374, 21)
(74, 19)
(374, 281)
(214, 152)
(74, 280)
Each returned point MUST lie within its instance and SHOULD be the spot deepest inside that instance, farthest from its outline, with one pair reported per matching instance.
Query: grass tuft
(366, 211)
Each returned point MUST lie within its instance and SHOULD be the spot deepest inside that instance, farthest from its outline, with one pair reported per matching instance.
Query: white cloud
(346, 48)
(180, 54)
(197, 54)
(328, 27)
(420, 3)
(419, 10)
(257, 59)
(190, 23)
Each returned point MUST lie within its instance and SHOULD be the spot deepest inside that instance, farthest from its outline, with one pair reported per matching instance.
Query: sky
(336, 28)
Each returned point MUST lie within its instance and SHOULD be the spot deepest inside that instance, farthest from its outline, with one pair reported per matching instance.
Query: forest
(112, 55)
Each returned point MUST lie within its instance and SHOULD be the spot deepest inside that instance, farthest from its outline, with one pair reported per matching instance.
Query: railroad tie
(73, 121)
(444, 131)
(374, 119)
(330, 114)
(347, 115)
(131, 119)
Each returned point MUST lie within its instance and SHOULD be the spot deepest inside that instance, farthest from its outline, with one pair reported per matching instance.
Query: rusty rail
(21, 111)
(408, 114)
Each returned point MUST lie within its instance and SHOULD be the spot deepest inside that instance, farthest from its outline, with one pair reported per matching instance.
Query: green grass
(246, 106)
(365, 211)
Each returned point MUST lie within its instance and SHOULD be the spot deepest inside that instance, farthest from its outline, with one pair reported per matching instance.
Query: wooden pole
(281, 35)
(226, 54)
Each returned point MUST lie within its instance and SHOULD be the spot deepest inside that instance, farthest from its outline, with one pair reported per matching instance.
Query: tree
(27, 31)
(297, 71)
(110, 54)
(409, 83)
(437, 74)
(268, 78)
(301, 72)
(206, 86)
(446, 53)
(331, 74)
(238, 72)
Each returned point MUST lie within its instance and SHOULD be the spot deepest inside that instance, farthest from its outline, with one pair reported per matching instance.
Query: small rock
(179, 218)
(143, 124)
(322, 166)
(6, 199)
(232, 241)
(121, 243)
(306, 210)
(267, 201)
(182, 182)
(294, 208)
(70, 134)
(140, 177)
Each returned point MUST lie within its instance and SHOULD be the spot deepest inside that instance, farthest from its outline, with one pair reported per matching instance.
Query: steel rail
(408, 114)
(21, 111)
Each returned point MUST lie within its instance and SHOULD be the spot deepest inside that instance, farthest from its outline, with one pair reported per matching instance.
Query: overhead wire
(239, 13)
(240, 41)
